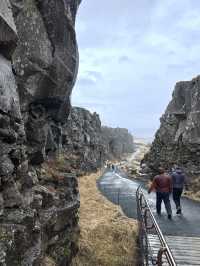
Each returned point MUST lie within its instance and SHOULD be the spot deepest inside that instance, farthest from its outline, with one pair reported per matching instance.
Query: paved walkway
(182, 232)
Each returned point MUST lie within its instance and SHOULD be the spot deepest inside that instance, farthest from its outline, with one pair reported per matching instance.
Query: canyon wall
(88, 144)
(42, 144)
(118, 142)
(177, 142)
(38, 68)
(82, 140)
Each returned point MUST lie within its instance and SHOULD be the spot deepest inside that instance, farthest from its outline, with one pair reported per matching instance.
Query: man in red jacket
(162, 184)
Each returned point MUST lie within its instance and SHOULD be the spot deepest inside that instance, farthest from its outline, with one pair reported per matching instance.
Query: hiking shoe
(169, 216)
(178, 211)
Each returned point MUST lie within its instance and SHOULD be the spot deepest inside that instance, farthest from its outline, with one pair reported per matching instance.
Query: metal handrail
(143, 209)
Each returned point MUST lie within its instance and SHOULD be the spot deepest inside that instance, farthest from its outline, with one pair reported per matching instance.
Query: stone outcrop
(178, 139)
(118, 142)
(82, 140)
(45, 62)
(88, 145)
(38, 68)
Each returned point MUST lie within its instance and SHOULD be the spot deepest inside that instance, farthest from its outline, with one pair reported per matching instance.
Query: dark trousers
(177, 192)
(163, 196)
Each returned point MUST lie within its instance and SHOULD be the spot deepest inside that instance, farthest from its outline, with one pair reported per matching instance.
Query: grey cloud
(171, 53)
(85, 82)
(131, 55)
(124, 59)
(176, 66)
(95, 38)
(104, 59)
(95, 75)
(184, 65)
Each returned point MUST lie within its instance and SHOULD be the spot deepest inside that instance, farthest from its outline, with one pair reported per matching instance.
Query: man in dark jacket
(178, 182)
(162, 184)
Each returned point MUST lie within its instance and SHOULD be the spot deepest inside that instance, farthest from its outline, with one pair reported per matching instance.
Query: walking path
(182, 232)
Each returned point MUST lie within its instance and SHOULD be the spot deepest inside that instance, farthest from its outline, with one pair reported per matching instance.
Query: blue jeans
(163, 196)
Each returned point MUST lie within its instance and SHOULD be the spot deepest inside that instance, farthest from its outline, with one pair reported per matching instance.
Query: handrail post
(144, 216)
(160, 254)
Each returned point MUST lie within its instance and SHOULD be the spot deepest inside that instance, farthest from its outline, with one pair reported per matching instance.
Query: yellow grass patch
(48, 262)
(107, 238)
(194, 189)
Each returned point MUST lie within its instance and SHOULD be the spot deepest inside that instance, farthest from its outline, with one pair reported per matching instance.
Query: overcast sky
(132, 52)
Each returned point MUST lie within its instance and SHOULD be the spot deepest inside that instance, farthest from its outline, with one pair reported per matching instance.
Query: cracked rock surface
(38, 69)
(88, 144)
(178, 139)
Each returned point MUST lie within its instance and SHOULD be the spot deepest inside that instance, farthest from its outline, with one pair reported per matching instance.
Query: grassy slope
(107, 238)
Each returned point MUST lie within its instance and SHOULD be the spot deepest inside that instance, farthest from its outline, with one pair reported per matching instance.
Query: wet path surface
(120, 190)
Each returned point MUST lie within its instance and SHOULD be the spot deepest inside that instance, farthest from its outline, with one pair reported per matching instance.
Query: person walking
(178, 182)
(162, 184)
(113, 168)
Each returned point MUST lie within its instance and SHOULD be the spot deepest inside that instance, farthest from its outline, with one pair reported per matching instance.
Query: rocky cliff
(38, 68)
(88, 145)
(118, 142)
(178, 139)
(82, 140)
(39, 197)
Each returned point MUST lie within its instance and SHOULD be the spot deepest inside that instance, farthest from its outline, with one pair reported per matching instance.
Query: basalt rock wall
(178, 139)
(88, 145)
(38, 68)
(118, 142)
(82, 140)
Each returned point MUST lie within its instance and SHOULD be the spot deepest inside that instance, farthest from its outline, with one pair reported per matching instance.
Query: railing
(148, 227)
